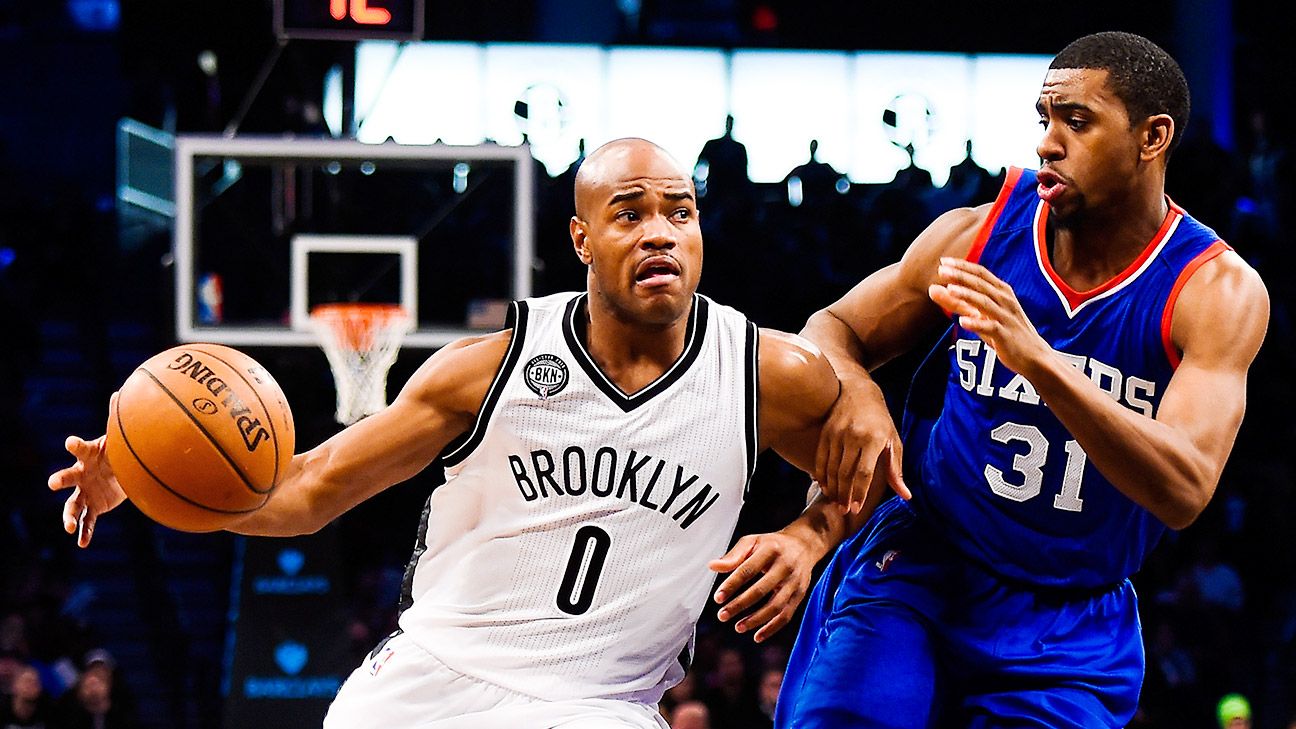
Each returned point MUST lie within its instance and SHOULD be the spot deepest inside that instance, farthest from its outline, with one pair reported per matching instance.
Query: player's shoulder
(1231, 267)
(1225, 279)
(953, 234)
(780, 348)
(479, 345)
(1227, 282)
(793, 366)
(1223, 301)
(458, 374)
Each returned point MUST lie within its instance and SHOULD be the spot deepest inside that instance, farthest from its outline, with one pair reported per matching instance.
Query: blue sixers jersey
(1000, 474)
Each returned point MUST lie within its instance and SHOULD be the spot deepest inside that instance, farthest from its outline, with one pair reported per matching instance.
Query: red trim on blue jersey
(983, 233)
(1001, 200)
(1076, 298)
(1167, 315)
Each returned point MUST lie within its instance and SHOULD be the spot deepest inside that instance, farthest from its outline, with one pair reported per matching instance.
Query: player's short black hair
(1141, 73)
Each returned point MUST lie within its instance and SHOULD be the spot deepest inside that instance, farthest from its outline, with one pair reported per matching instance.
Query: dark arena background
(158, 183)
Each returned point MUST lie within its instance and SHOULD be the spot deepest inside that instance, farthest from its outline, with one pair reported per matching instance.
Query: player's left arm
(797, 389)
(1169, 465)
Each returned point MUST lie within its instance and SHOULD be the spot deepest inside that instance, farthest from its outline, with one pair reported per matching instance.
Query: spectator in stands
(1234, 712)
(729, 694)
(767, 695)
(1172, 693)
(1214, 582)
(912, 178)
(969, 184)
(96, 700)
(815, 182)
(26, 706)
(1269, 168)
(691, 715)
(722, 166)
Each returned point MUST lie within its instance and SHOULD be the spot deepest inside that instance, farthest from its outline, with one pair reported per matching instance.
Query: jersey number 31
(1031, 467)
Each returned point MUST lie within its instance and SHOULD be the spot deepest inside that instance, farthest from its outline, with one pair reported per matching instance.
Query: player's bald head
(621, 162)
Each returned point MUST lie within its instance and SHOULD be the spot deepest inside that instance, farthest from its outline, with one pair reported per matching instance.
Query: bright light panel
(676, 98)
(558, 95)
(784, 99)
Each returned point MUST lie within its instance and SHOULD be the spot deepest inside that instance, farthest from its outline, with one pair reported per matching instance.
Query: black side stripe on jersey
(420, 546)
(752, 376)
(461, 447)
(685, 656)
(693, 339)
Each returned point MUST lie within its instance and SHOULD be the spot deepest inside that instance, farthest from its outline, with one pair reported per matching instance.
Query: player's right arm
(438, 403)
(882, 317)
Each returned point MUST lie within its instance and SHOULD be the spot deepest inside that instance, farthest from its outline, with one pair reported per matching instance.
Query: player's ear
(580, 240)
(1158, 131)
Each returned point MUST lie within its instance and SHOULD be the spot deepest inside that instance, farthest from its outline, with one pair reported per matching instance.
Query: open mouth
(657, 271)
(1050, 185)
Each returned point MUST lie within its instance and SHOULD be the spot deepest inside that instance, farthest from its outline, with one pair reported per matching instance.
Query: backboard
(267, 228)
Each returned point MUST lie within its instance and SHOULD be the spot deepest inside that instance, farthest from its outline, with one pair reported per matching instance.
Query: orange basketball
(199, 436)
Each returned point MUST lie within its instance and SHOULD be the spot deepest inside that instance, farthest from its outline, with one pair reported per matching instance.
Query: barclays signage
(291, 658)
(286, 660)
(290, 580)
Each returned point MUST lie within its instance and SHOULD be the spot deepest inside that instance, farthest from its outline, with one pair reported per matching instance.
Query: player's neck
(631, 353)
(1089, 250)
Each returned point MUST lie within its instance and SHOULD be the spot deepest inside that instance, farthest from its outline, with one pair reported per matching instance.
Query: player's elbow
(1187, 504)
(821, 322)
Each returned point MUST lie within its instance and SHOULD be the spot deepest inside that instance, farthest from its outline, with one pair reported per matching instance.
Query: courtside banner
(287, 651)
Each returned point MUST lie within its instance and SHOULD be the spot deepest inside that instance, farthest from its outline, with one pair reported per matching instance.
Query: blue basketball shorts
(903, 632)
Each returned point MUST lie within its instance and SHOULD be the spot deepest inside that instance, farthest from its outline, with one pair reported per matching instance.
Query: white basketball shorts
(405, 687)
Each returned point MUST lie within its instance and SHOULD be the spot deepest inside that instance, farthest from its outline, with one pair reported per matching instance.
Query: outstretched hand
(774, 567)
(858, 440)
(96, 489)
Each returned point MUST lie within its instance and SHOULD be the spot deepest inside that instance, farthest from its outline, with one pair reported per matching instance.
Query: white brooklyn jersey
(566, 554)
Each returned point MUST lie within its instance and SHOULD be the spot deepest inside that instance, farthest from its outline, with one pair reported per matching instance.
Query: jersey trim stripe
(406, 598)
(693, 339)
(685, 656)
(1073, 301)
(752, 374)
(456, 452)
(1001, 201)
(1167, 315)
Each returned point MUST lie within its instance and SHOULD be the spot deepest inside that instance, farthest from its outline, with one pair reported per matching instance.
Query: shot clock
(349, 19)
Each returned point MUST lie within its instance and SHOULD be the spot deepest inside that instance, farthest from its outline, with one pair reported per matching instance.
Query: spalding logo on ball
(199, 436)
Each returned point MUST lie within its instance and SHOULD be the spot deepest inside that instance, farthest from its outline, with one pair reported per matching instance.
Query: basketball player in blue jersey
(597, 454)
(1091, 383)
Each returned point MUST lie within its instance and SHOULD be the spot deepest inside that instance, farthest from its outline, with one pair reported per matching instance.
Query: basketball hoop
(361, 342)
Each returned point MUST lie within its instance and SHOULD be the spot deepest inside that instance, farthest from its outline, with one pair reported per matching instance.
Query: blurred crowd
(1218, 600)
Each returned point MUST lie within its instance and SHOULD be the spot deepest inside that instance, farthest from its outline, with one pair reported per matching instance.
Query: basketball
(198, 436)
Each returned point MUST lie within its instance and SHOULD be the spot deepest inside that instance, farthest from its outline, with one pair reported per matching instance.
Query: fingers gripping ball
(198, 436)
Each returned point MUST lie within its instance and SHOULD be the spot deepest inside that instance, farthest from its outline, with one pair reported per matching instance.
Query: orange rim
(353, 324)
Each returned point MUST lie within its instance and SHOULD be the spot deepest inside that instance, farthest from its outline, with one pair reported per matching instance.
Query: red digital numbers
(359, 11)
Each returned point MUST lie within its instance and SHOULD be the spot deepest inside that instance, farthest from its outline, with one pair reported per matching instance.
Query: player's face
(642, 240)
(1089, 154)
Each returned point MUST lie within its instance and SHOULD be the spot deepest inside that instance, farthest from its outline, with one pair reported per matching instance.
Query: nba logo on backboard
(546, 375)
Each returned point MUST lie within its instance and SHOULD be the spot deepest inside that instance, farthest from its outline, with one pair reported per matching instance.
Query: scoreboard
(349, 19)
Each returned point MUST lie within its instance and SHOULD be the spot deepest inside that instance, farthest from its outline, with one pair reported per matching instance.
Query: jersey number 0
(589, 551)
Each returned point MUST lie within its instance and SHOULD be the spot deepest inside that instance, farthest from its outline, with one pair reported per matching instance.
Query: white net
(361, 342)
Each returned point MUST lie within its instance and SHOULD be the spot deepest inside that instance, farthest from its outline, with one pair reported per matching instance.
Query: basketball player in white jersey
(597, 454)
